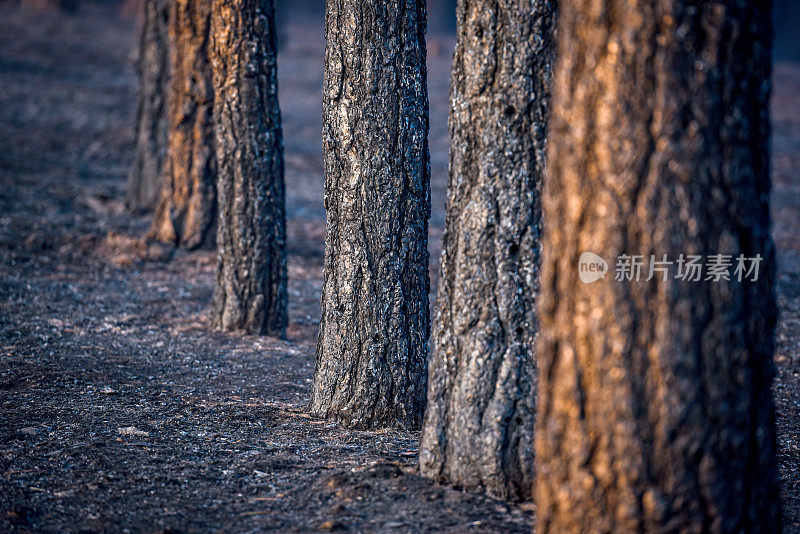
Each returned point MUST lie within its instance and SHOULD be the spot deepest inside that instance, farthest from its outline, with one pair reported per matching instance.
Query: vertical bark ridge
(186, 210)
(146, 176)
(655, 411)
(251, 280)
(372, 349)
(478, 430)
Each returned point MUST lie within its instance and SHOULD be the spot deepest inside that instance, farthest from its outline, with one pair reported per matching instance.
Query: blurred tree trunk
(478, 430)
(251, 234)
(186, 211)
(655, 411)
(371, 369)
(133, 9)
(441, 16)
(146, 176)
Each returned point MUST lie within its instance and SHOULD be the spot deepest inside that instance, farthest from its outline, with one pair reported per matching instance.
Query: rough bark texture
(655, 412)
(371, 357)
(251, 229)
(146, 176)
(478, 430)
(186, 211)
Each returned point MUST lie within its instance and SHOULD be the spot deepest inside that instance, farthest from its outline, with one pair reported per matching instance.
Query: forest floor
(121, 411)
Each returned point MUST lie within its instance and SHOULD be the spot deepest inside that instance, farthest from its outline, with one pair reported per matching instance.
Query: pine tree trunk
(186, 211)
(478, 430)
(372, 349)
(134, 10)
(146, 176)
(251, 233)
(655, 411)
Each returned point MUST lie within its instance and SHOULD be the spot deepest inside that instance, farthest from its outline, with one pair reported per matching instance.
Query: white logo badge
(591, 267)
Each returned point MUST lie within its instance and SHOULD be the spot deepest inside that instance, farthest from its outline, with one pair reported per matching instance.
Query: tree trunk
(186, 211)
(251, 233)
(146, 176)
(478, 430)
(371, 369)
(134, 10)
(655, 411)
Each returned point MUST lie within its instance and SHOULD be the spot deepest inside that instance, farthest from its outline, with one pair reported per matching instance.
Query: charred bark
(186, 211)
(370, 368)
(251, 229)
(478, 430)
(655, 411)
(146, 176)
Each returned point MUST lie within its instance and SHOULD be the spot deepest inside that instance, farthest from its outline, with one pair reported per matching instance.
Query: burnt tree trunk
(251, 230)
(186, 211)
(655, 411)
(478, 430)
(372, 349)
(146, 176)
